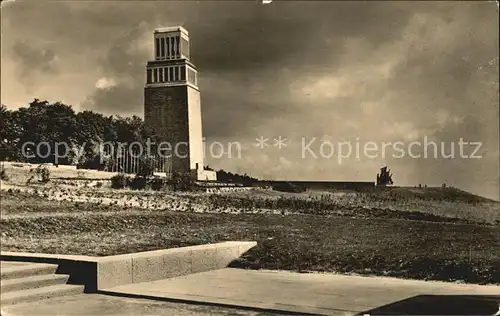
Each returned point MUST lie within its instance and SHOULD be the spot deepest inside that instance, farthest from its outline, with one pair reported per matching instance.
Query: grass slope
(358, 241)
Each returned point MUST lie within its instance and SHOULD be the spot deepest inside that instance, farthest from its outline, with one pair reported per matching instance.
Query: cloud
(119, 99)
(105, 83)
(33, 61)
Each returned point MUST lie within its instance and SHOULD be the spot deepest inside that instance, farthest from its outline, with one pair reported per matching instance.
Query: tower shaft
(172, 103)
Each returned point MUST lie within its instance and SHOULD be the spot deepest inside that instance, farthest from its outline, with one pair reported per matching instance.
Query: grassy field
(325, 234)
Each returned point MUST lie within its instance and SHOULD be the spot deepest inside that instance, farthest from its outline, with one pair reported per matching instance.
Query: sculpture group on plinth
(384, 177)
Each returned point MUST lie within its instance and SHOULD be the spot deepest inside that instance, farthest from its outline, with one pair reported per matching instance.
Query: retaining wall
(99, 273)
(324, 185)
(228, 189)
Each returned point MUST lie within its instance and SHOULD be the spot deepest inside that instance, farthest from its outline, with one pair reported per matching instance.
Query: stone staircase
(23, 282)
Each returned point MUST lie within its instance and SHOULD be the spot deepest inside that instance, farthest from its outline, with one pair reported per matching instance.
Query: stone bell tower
(172, 105)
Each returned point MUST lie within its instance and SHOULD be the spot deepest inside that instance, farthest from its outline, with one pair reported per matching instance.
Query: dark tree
(85, 132)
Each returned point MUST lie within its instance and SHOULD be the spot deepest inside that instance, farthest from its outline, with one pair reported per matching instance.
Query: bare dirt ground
(441, 235)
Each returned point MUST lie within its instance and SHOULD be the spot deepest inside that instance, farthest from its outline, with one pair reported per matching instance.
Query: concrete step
(32, 282)
(45, 292)
(27, 270)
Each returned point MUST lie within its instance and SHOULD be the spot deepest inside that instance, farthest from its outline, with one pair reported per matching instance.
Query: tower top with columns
(170, 65)
(171, 43)
(171, 29)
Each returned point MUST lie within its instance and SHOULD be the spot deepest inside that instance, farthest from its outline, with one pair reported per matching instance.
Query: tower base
(206, 175)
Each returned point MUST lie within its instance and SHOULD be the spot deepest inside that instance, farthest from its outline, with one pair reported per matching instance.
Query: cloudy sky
(338, 71)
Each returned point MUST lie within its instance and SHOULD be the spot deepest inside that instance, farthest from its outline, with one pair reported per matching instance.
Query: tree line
(58, 123)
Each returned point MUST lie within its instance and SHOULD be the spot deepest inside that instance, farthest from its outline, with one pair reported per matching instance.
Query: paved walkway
(102, 305)
(326, 294)
(11, 264)
(258, 291)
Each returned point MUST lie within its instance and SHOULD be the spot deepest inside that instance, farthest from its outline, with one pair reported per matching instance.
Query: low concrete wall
(19, 172)
(82, 183)
(162, 264)
(228, 189)
(99, 273)
(324, 185)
